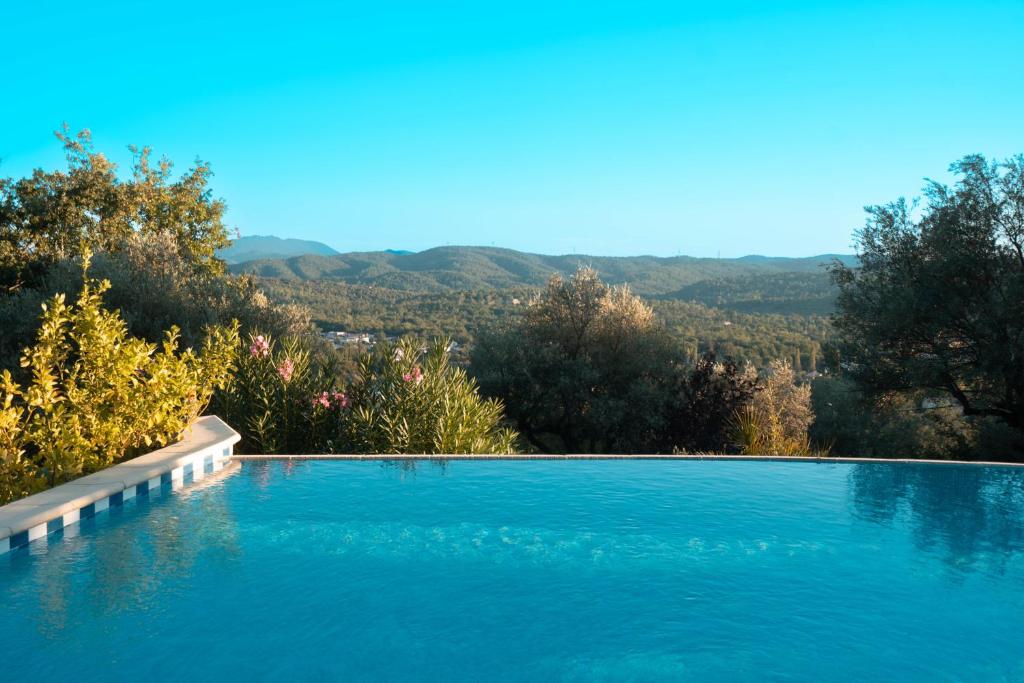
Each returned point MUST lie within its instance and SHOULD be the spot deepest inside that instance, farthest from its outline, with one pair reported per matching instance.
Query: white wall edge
(208, 442)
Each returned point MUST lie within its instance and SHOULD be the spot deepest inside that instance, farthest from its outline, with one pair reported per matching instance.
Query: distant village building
(339, 339)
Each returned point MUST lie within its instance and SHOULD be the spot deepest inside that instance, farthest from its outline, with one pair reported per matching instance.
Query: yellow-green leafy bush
(95, 395)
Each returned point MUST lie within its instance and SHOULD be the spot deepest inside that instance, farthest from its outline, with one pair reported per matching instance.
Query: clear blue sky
(605, 128)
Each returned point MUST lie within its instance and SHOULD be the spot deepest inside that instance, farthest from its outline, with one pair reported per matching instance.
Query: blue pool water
(591, 570)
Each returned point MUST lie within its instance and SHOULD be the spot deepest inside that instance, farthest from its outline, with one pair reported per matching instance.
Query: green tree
(705, 401)
(154, 236)
(937, 303)
(49, 216)
(588, 368)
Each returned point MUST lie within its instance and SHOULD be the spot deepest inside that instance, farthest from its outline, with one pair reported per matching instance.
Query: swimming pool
(532, 570)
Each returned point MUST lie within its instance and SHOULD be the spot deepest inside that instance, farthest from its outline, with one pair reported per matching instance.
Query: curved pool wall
(206, 447)
(209, 444)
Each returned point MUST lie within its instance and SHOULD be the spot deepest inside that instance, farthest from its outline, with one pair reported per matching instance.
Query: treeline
(924, 356)
(789, 293)
(444, 269)
(461, 315)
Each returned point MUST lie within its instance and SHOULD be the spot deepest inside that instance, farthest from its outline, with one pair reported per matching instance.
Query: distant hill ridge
(254, 247)
(473, 268)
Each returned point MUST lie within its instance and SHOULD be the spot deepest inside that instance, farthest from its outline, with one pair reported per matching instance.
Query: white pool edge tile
(36, 517)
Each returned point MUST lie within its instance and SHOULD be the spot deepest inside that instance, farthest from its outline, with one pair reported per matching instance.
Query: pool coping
(206, 446)
(613, 456)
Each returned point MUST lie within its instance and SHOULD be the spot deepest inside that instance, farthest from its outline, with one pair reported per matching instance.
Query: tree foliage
(938, 301)
(586, 369)
(705, 402)
(155, 287)
(49, 216)
(154, 237)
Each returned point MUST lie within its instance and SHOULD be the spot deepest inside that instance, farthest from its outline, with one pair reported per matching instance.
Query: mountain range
(473, 268)
(252, 247)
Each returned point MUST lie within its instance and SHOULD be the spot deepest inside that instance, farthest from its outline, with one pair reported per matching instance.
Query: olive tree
(587, 369)
(937, 301)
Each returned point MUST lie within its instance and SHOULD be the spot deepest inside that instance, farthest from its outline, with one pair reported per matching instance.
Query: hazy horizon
(662, 129)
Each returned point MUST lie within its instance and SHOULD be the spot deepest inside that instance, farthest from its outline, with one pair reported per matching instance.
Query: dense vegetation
(937, 305)
(589, 368)
(154, 238)
(97, 395)
(922, 358)
(402, 398)
(461, 315)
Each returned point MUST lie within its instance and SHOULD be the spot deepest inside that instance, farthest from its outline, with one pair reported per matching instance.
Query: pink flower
(340, 399)
(260, 348)
(285, 369)
(322, 399)
(416, 375)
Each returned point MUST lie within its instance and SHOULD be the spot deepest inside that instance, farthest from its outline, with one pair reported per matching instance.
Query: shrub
(776, 420)
(97, 395)
(155, 286)
(409, 399)
(271, 399)
(403, 399)
(705, 401)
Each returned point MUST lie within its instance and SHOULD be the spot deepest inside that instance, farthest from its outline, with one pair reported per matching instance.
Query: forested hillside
(755, 308)
(471, 268)
(253, 247)
(757, 337)
(790, 293)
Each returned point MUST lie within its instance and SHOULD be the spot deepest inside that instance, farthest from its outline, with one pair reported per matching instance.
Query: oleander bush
(403, 398)
(408, 398)
(97, 395)
(272, 399)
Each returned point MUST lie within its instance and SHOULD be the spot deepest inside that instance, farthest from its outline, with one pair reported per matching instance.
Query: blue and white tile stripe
(206, 448)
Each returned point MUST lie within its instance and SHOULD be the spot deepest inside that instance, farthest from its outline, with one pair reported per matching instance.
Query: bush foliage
(589, 368)
(403, 398)
(409, 399)
(271, 399)
(776, 419)
(97, 395)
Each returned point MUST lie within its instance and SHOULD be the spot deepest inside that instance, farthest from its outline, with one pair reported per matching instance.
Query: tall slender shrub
(776, 419)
